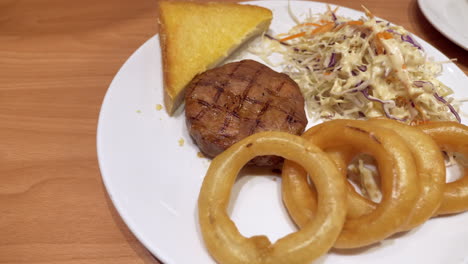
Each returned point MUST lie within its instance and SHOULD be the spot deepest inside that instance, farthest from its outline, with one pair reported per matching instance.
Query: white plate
(450, 17)
(154, 183)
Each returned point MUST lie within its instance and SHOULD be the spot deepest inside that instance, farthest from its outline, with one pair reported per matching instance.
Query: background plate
(450, 17)
(154, 182)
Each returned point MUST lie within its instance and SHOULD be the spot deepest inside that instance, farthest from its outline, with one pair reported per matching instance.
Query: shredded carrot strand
(384, 35)
(378, 41)
(378, 46)
(327, 73)
(324, 22)
(298, 35)
(355, 23)
(339, 27)
(404, 66)
(309, 24)
(321, 29)
(327, 27)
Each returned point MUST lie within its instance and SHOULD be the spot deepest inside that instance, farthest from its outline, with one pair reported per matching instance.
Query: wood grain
(57, 59)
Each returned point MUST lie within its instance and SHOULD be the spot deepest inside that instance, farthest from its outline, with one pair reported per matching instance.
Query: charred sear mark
(235, 69)
(204, 103)
(219, 91)
(270, 92)
(252, 129)
(290, 119)
(280, 86)
(263, 110)
(199, 115)
(225, 136)
(226, 122)
(370, 134)
(235, 114)
(248, 87)
(249, 145)
(253, 101)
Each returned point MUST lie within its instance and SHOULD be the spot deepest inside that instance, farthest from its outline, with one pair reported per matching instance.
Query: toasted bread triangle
(195, 37)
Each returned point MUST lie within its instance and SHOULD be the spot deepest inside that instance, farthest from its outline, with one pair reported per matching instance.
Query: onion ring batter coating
(315, 238)
(451, 136)
(430, 168)
(395, 165)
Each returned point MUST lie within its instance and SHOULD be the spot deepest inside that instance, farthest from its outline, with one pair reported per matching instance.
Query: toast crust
(195, 37)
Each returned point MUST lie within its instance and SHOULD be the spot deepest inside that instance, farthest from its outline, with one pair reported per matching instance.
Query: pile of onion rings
(327, 209)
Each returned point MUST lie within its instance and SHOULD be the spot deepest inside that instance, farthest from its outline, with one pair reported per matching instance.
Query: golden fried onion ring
(429, 165)
(395, 165)
(315, 238)
(453, 137)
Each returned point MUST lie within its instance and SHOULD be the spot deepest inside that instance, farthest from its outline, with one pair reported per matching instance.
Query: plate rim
(153, 250)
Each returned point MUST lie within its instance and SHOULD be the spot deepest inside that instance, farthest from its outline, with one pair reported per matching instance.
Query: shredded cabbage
(360, 69)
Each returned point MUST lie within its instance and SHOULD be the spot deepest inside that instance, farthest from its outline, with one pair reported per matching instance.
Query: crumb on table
(138, 111)
(159, 107)
(181, 142)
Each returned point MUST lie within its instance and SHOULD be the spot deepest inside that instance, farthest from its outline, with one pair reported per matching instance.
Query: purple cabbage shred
(422, 83)
(282, 43)
(362, 68)
(365, 92)
(393, 32)
(332, 60)
(333, 16)
(452, 109)
(409, 39)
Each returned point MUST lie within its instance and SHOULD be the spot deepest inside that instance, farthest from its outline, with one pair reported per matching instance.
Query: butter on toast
(195, 37)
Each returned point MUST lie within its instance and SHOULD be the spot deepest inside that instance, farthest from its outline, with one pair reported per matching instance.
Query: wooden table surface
(57, 59)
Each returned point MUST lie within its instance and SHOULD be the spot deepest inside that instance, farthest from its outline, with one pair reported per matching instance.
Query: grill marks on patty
(233, 101)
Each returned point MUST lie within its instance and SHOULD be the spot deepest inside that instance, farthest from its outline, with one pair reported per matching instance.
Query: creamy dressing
(358, 69)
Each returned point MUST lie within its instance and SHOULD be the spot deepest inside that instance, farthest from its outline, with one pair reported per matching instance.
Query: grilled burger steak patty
(231, 102)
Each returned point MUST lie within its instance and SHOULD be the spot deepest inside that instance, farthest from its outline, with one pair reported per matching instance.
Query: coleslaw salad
(359, 69)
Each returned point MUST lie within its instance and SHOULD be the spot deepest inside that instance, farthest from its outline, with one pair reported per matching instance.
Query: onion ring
(451, 136)
(315, 238)
(396, 167)
(430, 168)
